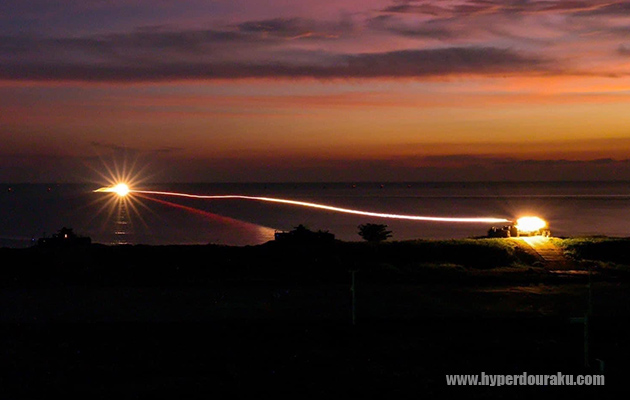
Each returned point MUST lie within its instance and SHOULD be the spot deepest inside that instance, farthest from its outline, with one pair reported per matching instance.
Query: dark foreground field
(276, 319)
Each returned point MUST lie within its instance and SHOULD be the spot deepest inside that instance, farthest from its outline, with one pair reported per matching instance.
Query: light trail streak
(487, 220)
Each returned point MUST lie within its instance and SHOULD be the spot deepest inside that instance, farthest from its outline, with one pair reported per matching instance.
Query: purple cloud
(623, 50)
(140, 57)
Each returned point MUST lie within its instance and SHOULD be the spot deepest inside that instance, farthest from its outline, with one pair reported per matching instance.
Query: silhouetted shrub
(374, 232)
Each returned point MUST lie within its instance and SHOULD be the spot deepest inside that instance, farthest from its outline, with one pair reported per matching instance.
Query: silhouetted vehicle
(65, 237)
(512, 231)
(503, 232)
(540, 232)
(302, 234)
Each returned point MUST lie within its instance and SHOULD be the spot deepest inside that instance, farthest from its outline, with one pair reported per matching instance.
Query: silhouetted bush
(374, 232)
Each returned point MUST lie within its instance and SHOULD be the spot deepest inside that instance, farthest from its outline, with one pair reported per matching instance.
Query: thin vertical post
(587, 318)
(586, 339)
(354, 299)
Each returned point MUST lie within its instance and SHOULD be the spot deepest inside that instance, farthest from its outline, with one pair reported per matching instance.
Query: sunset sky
(315, 90)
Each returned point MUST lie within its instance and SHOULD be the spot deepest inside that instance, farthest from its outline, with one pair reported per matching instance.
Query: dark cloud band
(398, 64)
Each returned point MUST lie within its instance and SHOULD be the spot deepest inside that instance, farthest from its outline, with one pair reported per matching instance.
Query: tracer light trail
(311, 205)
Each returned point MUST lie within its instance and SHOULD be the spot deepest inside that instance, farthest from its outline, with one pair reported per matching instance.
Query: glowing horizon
(312, 205)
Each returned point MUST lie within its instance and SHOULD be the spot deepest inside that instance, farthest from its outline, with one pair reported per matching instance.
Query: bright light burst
(120, 207)
(121, 189)
(122, 201)
(530, 224)
(126, 190)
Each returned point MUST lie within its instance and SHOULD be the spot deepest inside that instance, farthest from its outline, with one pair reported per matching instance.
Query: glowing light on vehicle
(530, 224)
(489, 220)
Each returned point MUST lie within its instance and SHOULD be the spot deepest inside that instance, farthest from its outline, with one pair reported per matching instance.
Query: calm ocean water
(30, 211)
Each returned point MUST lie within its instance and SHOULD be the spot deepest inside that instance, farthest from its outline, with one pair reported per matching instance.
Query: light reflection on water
(123, 228)
(151, 220)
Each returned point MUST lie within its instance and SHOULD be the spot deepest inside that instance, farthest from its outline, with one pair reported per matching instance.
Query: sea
(32, 211)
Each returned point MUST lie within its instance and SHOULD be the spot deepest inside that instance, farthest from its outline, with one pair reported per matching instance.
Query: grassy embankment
(146, 320)
(603, 253)
(407, 261)
(491, 260)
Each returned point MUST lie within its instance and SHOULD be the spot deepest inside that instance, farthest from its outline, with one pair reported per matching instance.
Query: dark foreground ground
(276, 320)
